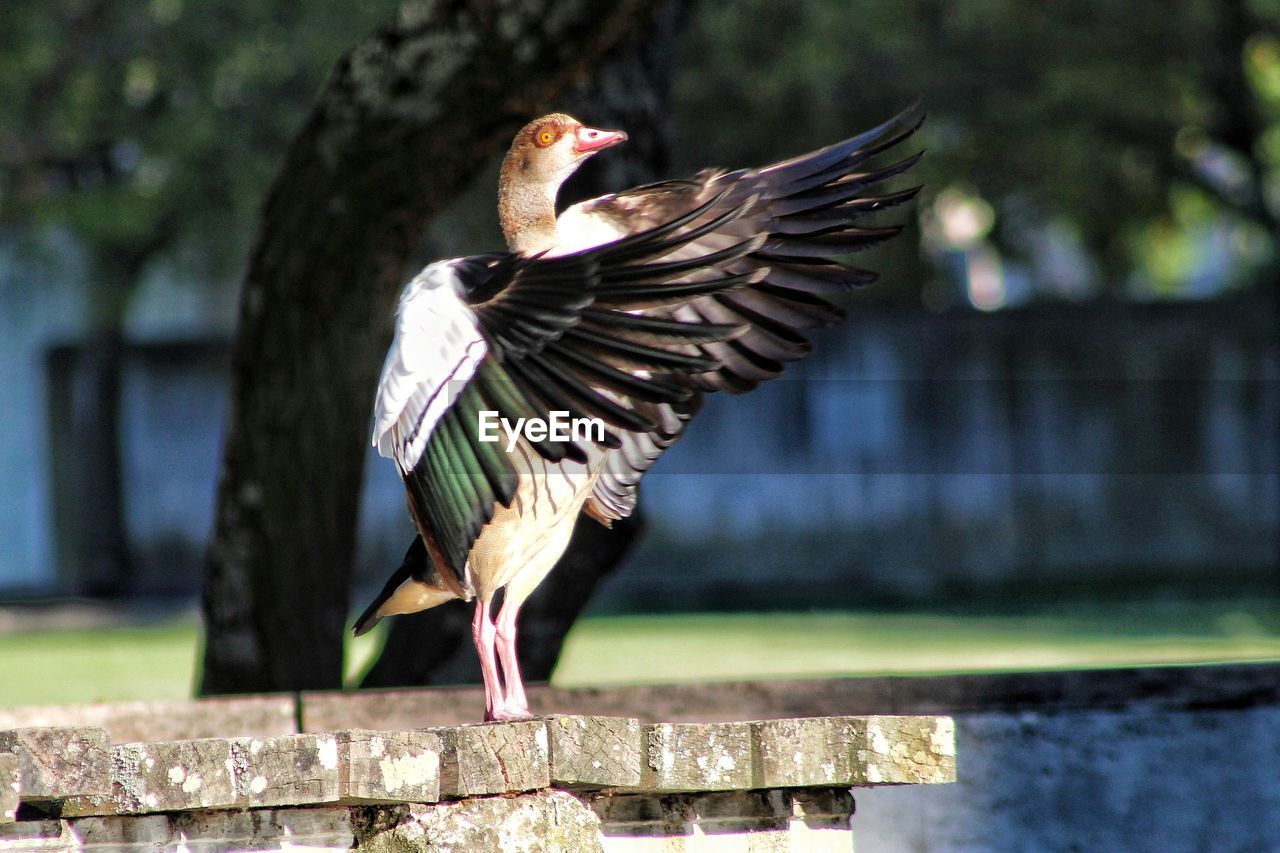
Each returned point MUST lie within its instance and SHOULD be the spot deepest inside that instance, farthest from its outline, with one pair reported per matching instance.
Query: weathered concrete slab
(824, 751)
(684, 786)
(128, 722)
(163, 777)
(803, 752)
(215, 773)
(494, 758)
(541, 822)
(287, 770)
(10, 785)
(697, 757)
(388, 767)
(596, 751)
(903, 750)
(423, 766)
(55, 762)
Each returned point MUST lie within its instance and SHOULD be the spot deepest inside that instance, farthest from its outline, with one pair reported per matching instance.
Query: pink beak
(589, 139)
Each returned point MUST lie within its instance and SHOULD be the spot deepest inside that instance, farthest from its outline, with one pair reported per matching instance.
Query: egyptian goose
(623, 309)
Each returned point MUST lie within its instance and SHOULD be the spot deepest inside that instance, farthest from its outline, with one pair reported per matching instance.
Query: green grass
(158, 661)
(797, 645)
(98, 665)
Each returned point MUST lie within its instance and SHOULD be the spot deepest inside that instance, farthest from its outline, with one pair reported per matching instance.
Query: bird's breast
(541, 516)
(578, 230)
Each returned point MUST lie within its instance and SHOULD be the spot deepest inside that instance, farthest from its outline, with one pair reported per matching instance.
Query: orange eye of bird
(545, 138)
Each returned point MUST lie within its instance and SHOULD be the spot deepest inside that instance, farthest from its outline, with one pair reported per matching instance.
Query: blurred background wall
(1065, 381)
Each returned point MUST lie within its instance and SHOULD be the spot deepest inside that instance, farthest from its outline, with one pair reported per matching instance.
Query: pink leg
(483, 632)
(517, 704)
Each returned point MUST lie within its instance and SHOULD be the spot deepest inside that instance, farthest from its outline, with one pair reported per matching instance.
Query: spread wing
(525, 336)
(808, 209)
(436, 349)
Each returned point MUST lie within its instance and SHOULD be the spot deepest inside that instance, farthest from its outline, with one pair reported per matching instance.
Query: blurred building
(914, 456)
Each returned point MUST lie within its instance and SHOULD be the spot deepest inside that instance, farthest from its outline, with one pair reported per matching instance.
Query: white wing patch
(578, 230)
(436, 349)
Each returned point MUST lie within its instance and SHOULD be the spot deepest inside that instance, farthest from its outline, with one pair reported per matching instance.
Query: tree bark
(404, 122)
(630, 92)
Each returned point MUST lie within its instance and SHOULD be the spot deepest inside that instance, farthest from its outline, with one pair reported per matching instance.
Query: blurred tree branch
(405, 121)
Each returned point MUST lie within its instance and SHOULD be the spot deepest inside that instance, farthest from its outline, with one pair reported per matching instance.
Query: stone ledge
(59, 762)
(74, 773)
(582, 783)
(595, 751)
(494, 758)
(349, 766)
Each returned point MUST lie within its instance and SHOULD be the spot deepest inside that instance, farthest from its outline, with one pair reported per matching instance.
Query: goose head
(544, 154)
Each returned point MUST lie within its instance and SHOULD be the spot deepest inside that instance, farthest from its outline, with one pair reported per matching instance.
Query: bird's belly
(530, 535)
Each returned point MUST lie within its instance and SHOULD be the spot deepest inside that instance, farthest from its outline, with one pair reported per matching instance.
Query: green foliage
(1068, 113)
(154, 126)
(150, 128)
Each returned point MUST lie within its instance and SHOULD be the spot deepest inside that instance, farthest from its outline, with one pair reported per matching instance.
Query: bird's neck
(528, 214)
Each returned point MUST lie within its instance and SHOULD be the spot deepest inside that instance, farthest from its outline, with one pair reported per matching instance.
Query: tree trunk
(630, 92)
(404, 122)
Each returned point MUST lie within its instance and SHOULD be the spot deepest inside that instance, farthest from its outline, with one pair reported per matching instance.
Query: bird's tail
(408, 590)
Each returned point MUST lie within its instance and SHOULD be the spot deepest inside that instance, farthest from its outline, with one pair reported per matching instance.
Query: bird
(621, 312)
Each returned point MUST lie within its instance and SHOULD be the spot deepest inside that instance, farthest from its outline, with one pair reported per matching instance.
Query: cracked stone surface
(903, 750)
(604, 751)
(165, 776)
(803, 752)
(389, 767)
(360, 766)
(558, 783)
(217, 773)
(58, 761)
(494, 758)
(287, 770)
(698, 757)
